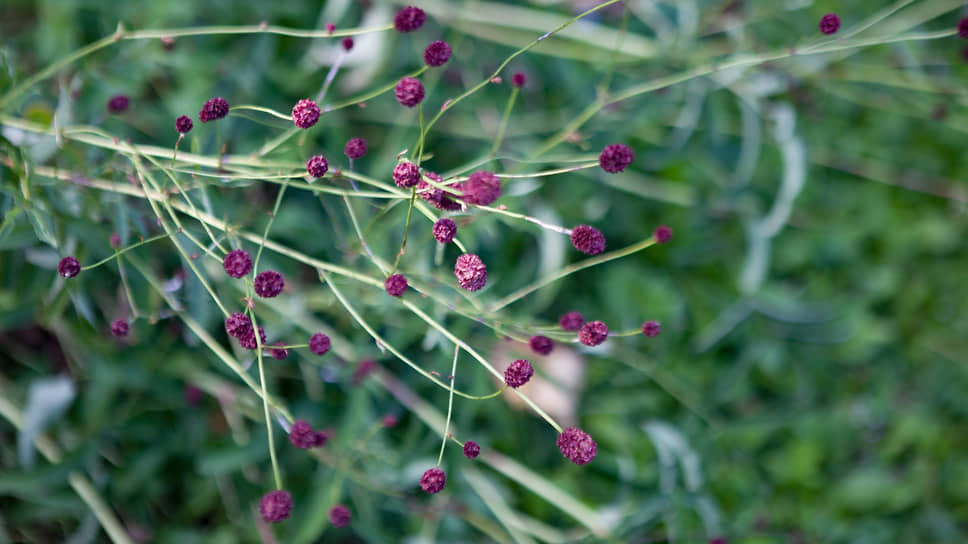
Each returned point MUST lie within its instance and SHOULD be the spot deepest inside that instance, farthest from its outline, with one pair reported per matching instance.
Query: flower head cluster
(340, 516)
(316, 166)
(615, 157)
(118, 103)
(572, 321)
(481, 188)
(963, 27)
(213, 109)
(470, 271)
(305, 113)
(277, 352)
(119, 328)
(304, 437)
(355, 148)
(347, 43)
(275, 506)
(409, 92)
(444, 230)
(268, 284)
(577, 446)
(829, 23)
(593, 333)
(406, 174)
(237, 263)
(588, 240)
(519, 79)
(237, 323)
(409, 19)
(662, 234)
(471, 449)
(437, 197)
(68, 267)
(396, 285)
(319, 343)
(183, 124)
(437, 53)
(541, 345)
(518, 373)
(651, 328)
(247, 338)
(433, 480)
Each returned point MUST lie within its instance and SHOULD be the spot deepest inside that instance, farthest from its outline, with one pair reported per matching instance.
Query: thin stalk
(265, 234)
(263, 109)
(406, 230)
(420, 141)
(356, 226)
(265, 403)
(504, 122)
(450, 405)
(120, 252)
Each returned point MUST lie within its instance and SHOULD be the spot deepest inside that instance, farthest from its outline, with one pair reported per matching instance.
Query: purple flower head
(389, 421)
(481, 188)
(395, 285)
(593, 333)
(305, 113)
(302, 434)
(437, 53)
(406, 174)
(963, 27)
(437, 197)
(588, 240)
(275, 506)
(183, 124)
(119, 328)
(409, 92)
(409, 19)
(541, 345)
(572, 321)
(470, 271)
(268, 284)
(330, 27)
(339, 516)
(519, 79)
(829, 23)
(651, 328)
(237, 324)
(192, 394)
(317, 165)
(347, 43)
(662, 234)
(615, 157)
(355, 148)
(433, 480)
(115, 240)
(68, 267)
(118, 103)
(577, 446)
(279, 353)
(319, 343)
(471, 449)
(444, 230)
(237, 263)
(247, 338)
(518, 373)
(215, 108)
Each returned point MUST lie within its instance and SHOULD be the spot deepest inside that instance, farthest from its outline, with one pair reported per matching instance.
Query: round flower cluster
(470, 271)
(268, 284)
(275, 506)
(409, 19)
(68, 267)
(247, 338)
(519, 79)
(406, 174)
(577, 446)
(541, 345)
(237, 263)
(119, 328)
(395, 285)
(347, 43)
(278, 353)
(319, 343)
(304, 437)
(829, 23)
(118, 103)
(593, 333)
(651, 328)
(305, 113)
(588, 240)
(444, 230)
(409, 92)
(471, 449)
(183, 124)
(615, 157)
(433, 480)
(437, 53)
(213, 109)
(437, 197)
(339, 516)
(355, 148)
(518, 373)
(317, 166)
(572, 321)
(662, 234)
(481, 188)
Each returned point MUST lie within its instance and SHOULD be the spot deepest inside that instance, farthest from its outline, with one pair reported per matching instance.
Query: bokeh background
(809, 382)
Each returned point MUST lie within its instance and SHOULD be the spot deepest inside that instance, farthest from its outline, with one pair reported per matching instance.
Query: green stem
(265, 403)
(119, 252)
(420, 141)
(265, 234)
(504, 122)
(450, 405)
(406, 230)
(263, 109)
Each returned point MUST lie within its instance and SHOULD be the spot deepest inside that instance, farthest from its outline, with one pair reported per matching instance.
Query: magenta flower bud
(470, 271)
(213, 109)
(829, 23)
(481, 188)
(347, 43)
(237, 263)
(444, 230)
(275, 506)
(651, 328)
(330, 28)
(662, 234)
(963, 27)
(247, 338)
(409, 92)
(118, 103)
(577, 446)
(183, 124)
(409, 19)
(471, 449)
(436, 196)
(518, 373)
(541, 345)
(119, 328)
(68, 267)
(268, 284)
(305, 113)
(389, 421)
(237, 324)
(519, 79)
(433, 480)
(355, 148)
(572, 321)
(115, 240)
(437, 53)
(588, 240)
(319, 343)
(303, 436)
(339, 516)
(615, 157)
(317, 166)
(395, 285)
(406, 174)
(593, 333)
(279, 353)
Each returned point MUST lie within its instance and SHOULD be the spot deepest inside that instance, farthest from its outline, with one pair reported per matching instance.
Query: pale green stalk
(450, 405)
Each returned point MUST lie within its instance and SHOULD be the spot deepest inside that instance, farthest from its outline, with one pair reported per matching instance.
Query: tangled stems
(265, 403)
(450, 405)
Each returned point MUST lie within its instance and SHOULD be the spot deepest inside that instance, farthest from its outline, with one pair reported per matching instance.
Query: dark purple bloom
(192, 394)
(829, 23)
(444, 230)
(279, 353)
(317, 165)
(437, 53)
(572, 321)
(363, 370)
(541, 345)
(302, 435)
(471, 449)
(437, 197)
(409, 92)
(395, 285)
(355, 148)
(330, 27)
(237, 263)
(433, 480)
(963, 27)
(268, 284)
(470, 271)
(115, 240)
(118, 103)
(518, 373)
(615, 157)
(215, 108)
(651, 328)
(409, 19)
(519, 79)
(662, 234)
(247, 338)
(588, 240)
(347, 43)
(577, 446)
(305, 113)
(593, 333)
(238, 324)
(339, 516)
(481, 188)
(183, 124)
(406, 174)
(275, 506)
(319, 343)
(119, 328)
(389, 421)
(68, 267)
